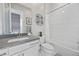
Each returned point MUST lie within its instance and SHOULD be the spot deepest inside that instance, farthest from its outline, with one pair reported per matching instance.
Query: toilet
(47, 50)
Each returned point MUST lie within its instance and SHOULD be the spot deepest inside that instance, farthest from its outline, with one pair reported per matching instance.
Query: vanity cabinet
(32, 51)
(18, 54)
(15, 49)
(27, 49)
(4, 52)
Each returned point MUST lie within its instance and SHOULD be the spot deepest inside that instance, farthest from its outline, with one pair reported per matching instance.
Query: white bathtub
(64, 51)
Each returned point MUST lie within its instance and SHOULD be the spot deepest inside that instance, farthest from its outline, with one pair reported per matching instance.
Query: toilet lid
(48, 46)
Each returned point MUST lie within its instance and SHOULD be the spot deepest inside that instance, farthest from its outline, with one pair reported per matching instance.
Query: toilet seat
(47, 49)
(47, 46)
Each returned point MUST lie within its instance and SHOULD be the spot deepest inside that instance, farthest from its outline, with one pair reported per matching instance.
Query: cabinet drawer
(30, 44)
(19, 48)
(4, 52)
(32, 51)
(15, 49)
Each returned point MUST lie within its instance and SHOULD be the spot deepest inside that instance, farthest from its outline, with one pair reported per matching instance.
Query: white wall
(64, 26)
(53, 6)
(1, 13)
(35, 28)
(36, 8)
(4, 28)
(6, 18)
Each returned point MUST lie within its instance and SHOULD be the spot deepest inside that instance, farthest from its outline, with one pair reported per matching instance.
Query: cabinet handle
(3, 54)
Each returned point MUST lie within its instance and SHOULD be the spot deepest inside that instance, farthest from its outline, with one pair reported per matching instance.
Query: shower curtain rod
(58, 8)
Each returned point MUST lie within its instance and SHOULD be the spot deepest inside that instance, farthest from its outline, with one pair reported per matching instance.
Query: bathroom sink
(23, 38)
(18, 39)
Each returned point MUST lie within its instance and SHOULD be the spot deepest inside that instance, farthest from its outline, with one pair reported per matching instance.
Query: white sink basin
(18, 39)
(24, 38)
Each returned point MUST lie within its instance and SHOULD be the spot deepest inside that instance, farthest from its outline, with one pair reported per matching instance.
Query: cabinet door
(15, 49)
(32, 51)
(4, 52)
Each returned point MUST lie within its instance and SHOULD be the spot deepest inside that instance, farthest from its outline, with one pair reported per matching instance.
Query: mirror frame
(21, 17)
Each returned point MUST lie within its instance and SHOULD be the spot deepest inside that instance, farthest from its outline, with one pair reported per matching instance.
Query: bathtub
(64, 51)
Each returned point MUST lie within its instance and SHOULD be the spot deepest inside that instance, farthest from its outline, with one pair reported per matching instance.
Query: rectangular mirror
(15, 23)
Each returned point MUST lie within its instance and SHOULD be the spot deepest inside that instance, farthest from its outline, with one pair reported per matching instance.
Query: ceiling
(33, 5)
